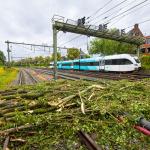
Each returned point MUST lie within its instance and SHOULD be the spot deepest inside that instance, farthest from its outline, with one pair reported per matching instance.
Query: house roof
(136, 31)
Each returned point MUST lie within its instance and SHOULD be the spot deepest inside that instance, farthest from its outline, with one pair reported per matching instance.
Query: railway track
(89, 75)
(25, 77)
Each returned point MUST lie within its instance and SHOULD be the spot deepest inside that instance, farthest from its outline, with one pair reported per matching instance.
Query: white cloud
(30, 20)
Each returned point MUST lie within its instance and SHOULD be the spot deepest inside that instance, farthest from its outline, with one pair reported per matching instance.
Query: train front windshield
(137, 60)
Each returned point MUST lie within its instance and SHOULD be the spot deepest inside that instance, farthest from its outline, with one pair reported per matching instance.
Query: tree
(108, 47)
(2, 58)
(58, 57)
(73, 53)
(47, 61)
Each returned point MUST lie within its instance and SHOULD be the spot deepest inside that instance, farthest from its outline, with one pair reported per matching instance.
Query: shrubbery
(145, 60)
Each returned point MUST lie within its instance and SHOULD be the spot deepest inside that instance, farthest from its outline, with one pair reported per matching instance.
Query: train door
(102, 65)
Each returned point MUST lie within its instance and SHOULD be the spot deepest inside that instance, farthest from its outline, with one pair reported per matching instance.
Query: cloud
(30, 20)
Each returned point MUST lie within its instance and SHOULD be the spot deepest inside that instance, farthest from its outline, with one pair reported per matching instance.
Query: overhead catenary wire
(117, 11)
(127, 10)
(138, 23)
(87, 19)
(122, 17)
(111, 18)
(117, 5)
(99, 9)
(60, 36)
(71, 40)
(93, 19)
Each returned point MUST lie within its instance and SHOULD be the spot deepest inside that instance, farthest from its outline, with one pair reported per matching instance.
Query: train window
(137, 60)
(89, 64)
(126, 62)
(76, 63)
(86, 63)
(118, 62)
(114, 62)
(108, 62)
(68, 64)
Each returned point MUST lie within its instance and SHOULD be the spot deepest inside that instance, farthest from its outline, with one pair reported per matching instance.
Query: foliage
(108, 47)
(87, 56)
(58, 57)
(56, 120)
(45, 61)
(7, 75)
(37, 61)
(73, 53)
(145, 60)
(2, 58)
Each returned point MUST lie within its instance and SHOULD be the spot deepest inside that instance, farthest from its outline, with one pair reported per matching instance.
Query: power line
(111, 18)
(138, 23)
(127, 10)
(87, 19)
(99, 9)
(122, 17)
(117, 11)
(60, 36)
(71, 40)
(96, 17)
(108, 10)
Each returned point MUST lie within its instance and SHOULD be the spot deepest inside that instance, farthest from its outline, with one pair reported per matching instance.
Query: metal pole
(8, 51)
(138, 51)
(55, 51)
(79, 59)
(88, 44)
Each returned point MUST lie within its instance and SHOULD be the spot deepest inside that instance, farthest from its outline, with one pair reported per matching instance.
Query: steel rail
(31, 77)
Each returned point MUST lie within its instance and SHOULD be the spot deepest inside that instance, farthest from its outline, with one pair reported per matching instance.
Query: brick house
(145, 48)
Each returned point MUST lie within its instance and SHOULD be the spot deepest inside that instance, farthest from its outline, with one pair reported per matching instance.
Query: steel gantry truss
(79, 27)
(28, 44)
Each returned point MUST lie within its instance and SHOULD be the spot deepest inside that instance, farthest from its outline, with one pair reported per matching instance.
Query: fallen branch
(12, 130)
(19, 140)
(66, 99)
(82, 104)
(5, 146)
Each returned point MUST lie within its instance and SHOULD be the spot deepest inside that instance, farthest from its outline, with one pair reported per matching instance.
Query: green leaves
(108, 47)
(73, 53)
(110, 113)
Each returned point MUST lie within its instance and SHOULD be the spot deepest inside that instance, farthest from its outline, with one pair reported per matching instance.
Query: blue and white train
(112, 63)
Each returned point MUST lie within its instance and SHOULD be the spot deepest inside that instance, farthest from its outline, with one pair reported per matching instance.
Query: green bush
(145, 60)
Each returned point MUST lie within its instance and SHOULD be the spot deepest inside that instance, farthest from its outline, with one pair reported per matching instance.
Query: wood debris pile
(49, 115)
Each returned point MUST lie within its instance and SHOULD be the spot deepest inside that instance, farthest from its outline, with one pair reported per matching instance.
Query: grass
(55, 126)
(145, 60)
(7, 75)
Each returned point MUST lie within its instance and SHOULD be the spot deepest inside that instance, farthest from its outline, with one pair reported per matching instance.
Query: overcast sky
(30, 20)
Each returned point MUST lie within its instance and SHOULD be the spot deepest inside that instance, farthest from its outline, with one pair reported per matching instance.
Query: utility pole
(55, 51)
(138, 51)
(79, 59)
(8, 51)
(88, 44)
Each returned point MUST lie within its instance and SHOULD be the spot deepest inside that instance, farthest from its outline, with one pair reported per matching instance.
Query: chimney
(136, 26)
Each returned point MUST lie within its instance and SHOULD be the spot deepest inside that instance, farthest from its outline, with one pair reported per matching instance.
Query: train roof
(117, 56)
(86, 59)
